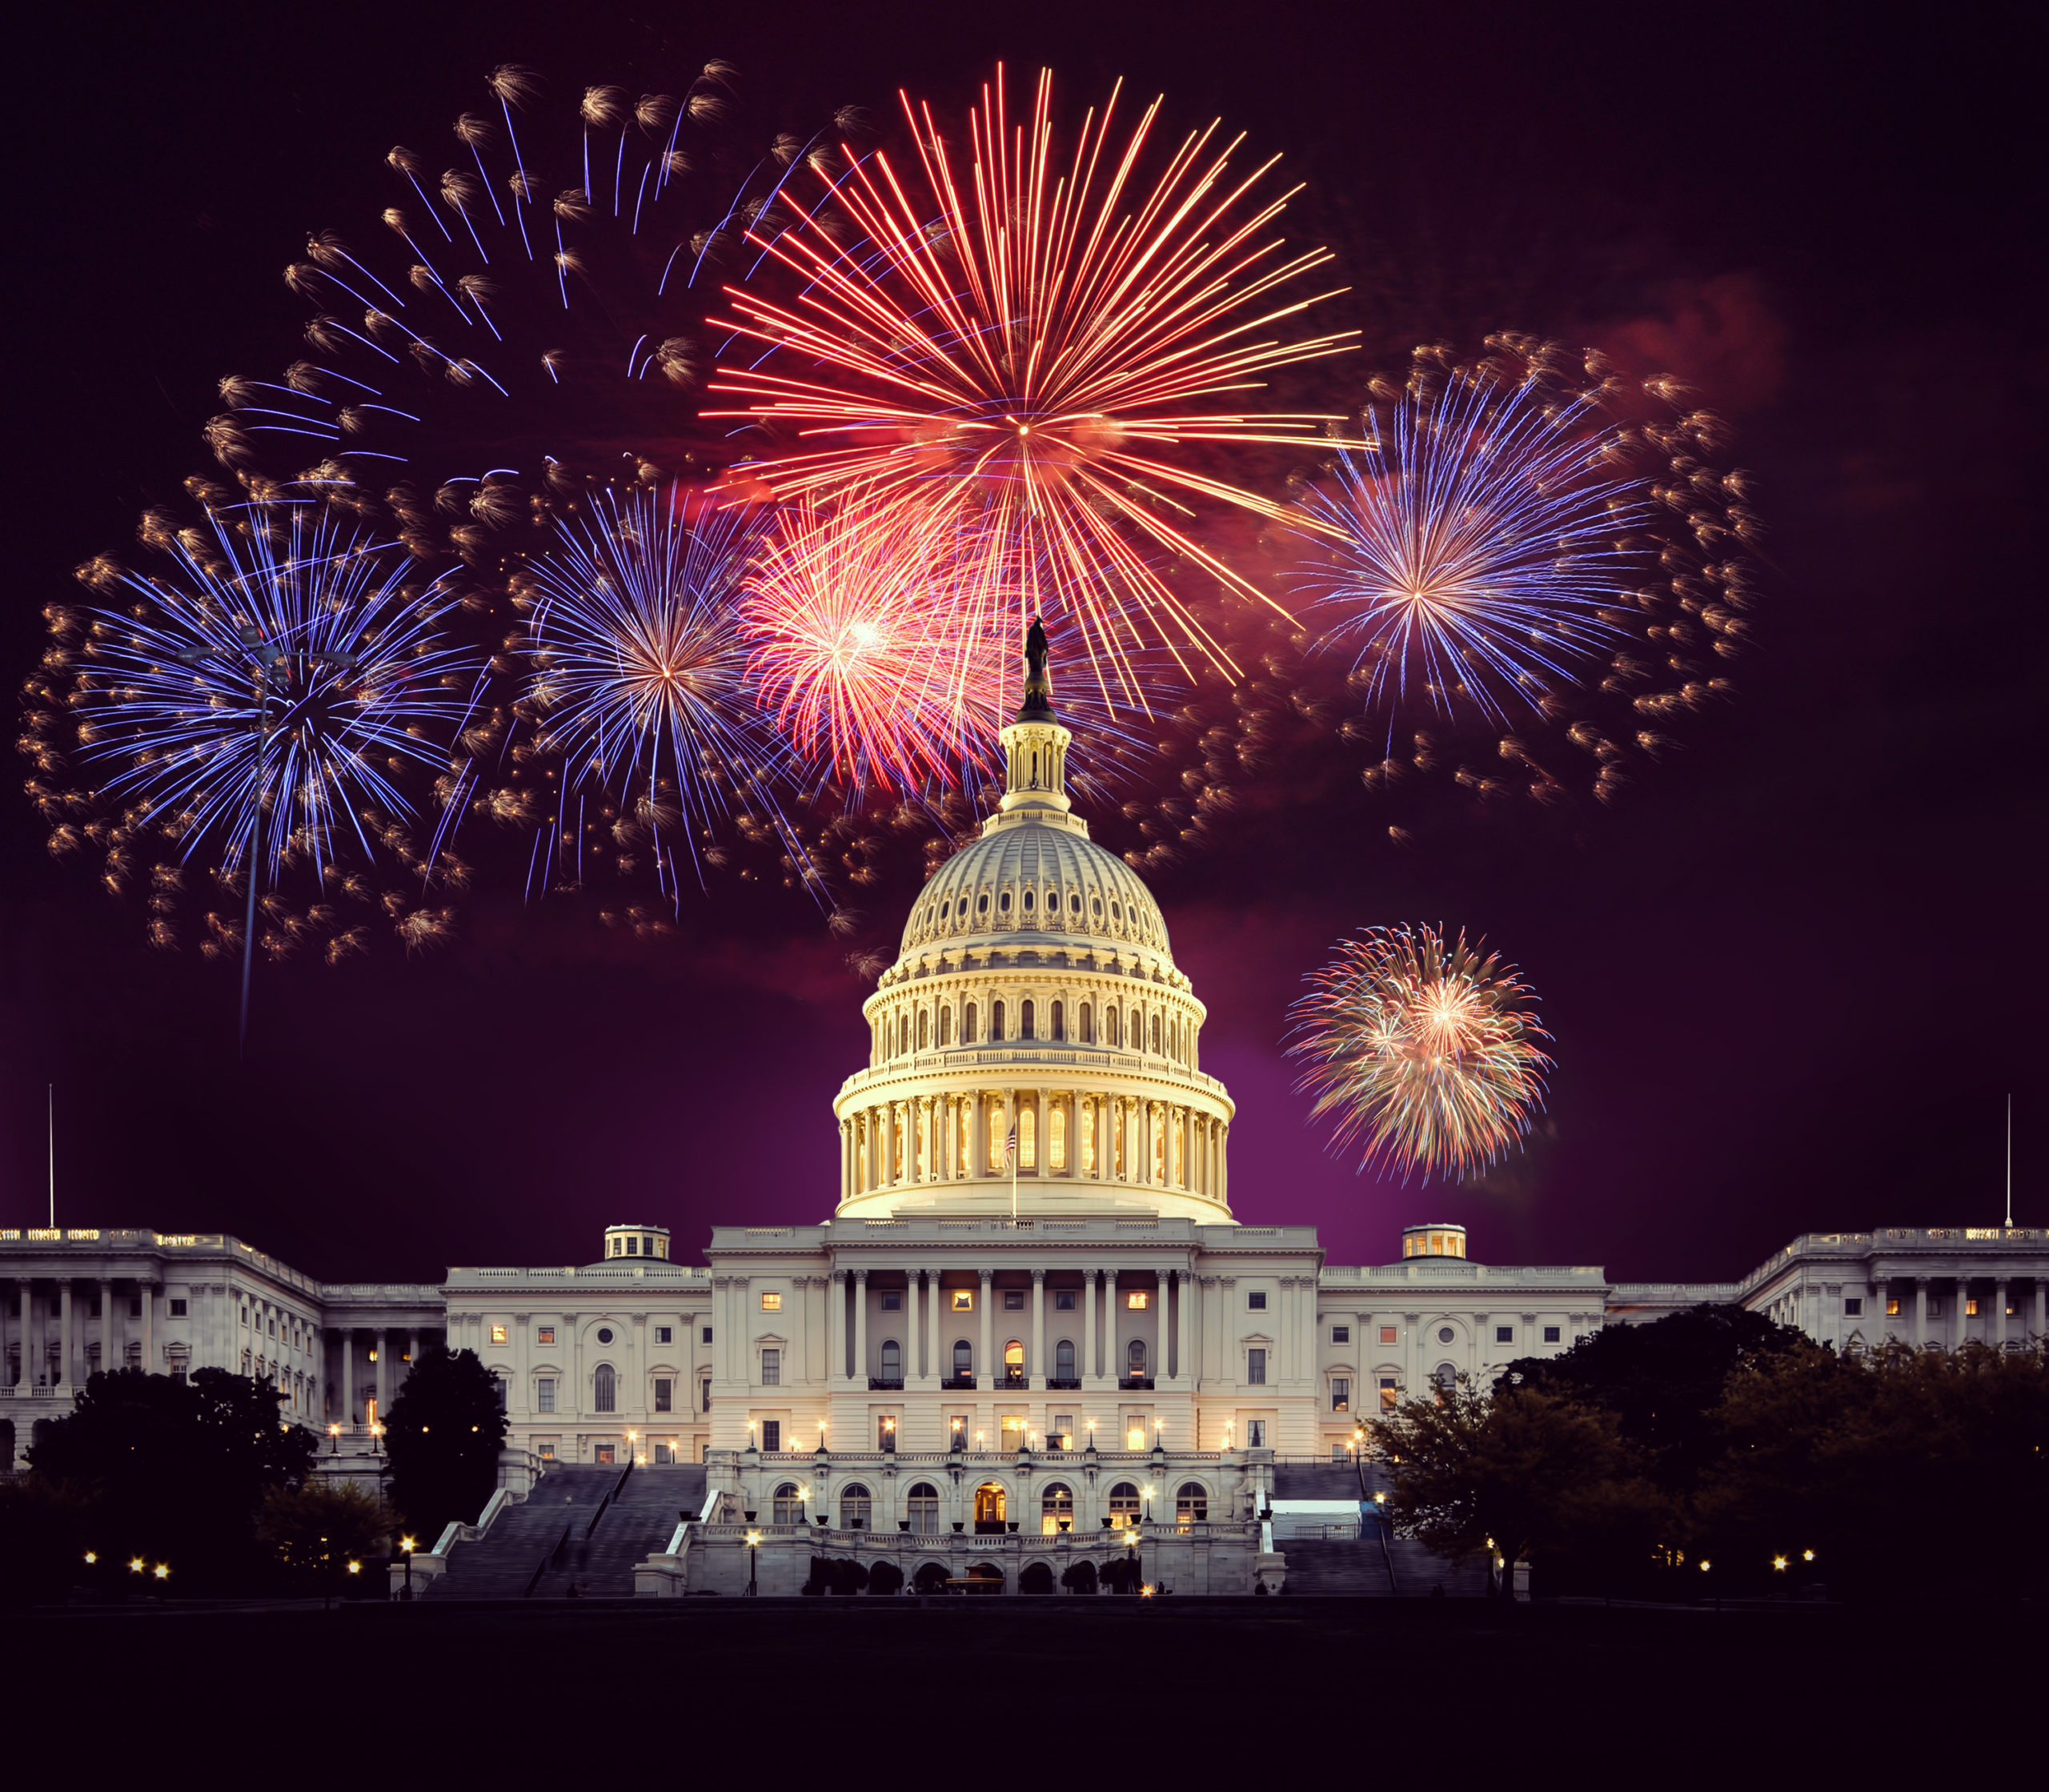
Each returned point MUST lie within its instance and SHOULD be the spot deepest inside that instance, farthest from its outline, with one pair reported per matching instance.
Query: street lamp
(136, 1565)
(406, 1544)
(162, 1571)
(334, 1439)
(753, 1545)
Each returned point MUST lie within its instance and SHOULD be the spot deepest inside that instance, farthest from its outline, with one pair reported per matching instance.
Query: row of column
(32, 1339)
(1996, 1334)
(1122, 1138)
(380, 1340)
(1167, 1360)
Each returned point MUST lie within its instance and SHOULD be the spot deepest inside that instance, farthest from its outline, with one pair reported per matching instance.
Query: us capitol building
(1032, 1329)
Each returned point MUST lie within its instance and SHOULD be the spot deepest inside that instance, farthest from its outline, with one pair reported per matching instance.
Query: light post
(406, 1544)
(753, 1545)
(334, 1439)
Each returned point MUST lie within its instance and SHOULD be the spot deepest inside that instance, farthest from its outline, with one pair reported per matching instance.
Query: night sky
(1789, 977)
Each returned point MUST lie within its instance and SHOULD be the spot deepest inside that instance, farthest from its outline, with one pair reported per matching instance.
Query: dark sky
(1790, 979)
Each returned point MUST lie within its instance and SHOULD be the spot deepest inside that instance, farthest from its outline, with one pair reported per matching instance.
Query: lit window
(1390, 1393)
(1256, 1300)
(545, 1335)
(1341, 1334)
(1341, 1394)
(1892, 1306)
(1256, 1367)
(1137, 1300)
(1192, 1503)
(1550, 1334)
(1387, 1334)
(771, 1303)
(545, 1449)
(1123, 1506)
(545, 1394)
(1134, 1434)
(1057, 1128)
(499, 1334)
(1506, 1334)
(772, 1369)
(1971, 1306)
(662, 1398)
(964, 1300)
(1056, 1509)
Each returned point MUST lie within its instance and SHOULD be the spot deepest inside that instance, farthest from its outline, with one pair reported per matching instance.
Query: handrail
(611, 1493)
(547, 1556)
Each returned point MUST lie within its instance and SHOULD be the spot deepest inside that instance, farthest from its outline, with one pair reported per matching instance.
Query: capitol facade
(1032, 1337)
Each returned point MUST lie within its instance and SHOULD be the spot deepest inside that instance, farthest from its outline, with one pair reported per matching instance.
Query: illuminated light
(753, 1539)
(1779, 1563)
(1705, 1566)
(1806, 1555)
(92, 1555)
(406, 1544)
(356, 1568)
(162, 1571)
(137, 1566)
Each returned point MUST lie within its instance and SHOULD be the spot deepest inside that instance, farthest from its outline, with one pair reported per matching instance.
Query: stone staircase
(1361, 1569)
(637, 1523)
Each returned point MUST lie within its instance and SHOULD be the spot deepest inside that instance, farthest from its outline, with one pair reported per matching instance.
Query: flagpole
(2009, 1164)
(53, 1158)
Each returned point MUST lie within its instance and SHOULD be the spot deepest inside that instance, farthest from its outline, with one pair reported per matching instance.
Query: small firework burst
(1426, 1051)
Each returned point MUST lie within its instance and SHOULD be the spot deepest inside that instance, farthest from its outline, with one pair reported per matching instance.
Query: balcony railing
(959, 1383)
(1011, 1378)
(885, 1384)
(1136, 1384)
(1058, 1383)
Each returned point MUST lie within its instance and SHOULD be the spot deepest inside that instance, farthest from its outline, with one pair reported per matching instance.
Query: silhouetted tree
(444, 1434)
(311, 1532)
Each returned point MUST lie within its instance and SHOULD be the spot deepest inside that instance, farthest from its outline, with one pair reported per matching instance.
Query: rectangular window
(1390, 1393)
(705, 1395)
(1255, 1433)
(1136, 1300)
(772, 1302)
(662, 1458)
(772, 1369)
(245, 1319)
(665, 1334)
(1550, 1334)
(545, 1449)
(1256, 1367)
(772, 1433)
(1892, 1306)
(1506, 1334)
(544, 1335)
(1013, 1300)
(1134, 1433)
(1063, 1300)
(1341, 1334)
(662, 1386)
(1256, 1300)
(1387, 1334)
(1013, 1431)
(1853, 1307)
(964, 1300)
(1971, 1306)
(892, 1301)
(1063, 1431)
(499, 1334)
(178, 1307)
(134, 1306)
(504, 1392)
(602, 1455)
(1934, 1306)
(545, 1394)
(707, 1334)
(1341, 1394)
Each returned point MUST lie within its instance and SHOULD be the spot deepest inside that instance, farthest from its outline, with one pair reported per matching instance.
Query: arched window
(1027, 1018)
(1013, 1363)
(1156, 1036)
(967, 1025)
(991, 1503)
(1112, 1034)
(1085, 1035)
(1124, 1505)
(1055, 1509)
(786, 1509)
(1028, 1137)
(997, 1033)
(1057, 1139)
(1087, 1138)
(1160, 1150)
(921, 1507)
(605, 1396)
(1003, 902)
(999, 1139)
(1028, 902)
(945, 1027)
(1192, 1503)
(1136, 1356)
(892, 1359)
(897, 1145)
(855, 1507)
(1135, 1032)
(923, 1017)
(1446, 1377)
(1059, 1021)
(964, 1358)
(1064, 1360)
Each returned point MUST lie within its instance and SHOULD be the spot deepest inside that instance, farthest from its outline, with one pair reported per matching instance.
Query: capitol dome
(1034, 1042)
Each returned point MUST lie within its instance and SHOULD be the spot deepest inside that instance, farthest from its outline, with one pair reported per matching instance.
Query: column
(933, 1367)
(835, 1345)
(984, 1368)
(346, 1334)
(24, 1292)
(1182, 1334)
(64, 1332)
(1920, 1311)
(2040, 1330)
(110, 1358)
(1111, 1368)
(1089, 1370)
(1962, 1333)
(1999, 1314)
(412, 1349)
(860, 1329)
(380, 1341)
(1162, 1346)
(148, 1290)
(1037, 1370)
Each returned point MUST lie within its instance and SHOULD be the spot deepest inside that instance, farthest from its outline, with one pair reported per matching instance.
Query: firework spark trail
(262, 696)
(1011, 343)
(641, 677)
(868, 667)
(1424, 1051)
(1481, 547)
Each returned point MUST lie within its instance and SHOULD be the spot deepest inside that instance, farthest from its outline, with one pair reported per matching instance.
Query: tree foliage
(312, 1532)
(444, 1436)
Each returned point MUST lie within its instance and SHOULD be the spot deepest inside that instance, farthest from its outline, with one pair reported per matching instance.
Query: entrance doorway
(990, 1504)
